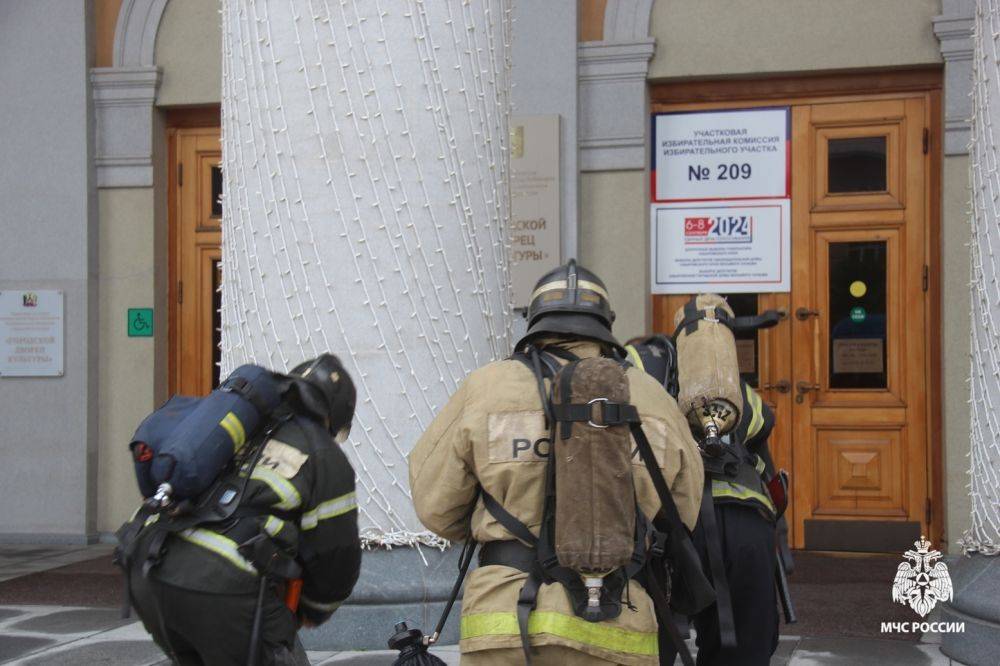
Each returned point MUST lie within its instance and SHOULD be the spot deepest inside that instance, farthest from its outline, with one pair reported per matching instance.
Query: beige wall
(126, 276)
(189, 49)
(722, 37)
(614, 243)
(955, 343)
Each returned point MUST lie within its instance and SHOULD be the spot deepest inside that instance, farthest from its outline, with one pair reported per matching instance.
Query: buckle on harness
(604, 413)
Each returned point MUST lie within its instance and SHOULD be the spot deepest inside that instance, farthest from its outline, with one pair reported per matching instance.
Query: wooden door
(196, 252)
(846, 371)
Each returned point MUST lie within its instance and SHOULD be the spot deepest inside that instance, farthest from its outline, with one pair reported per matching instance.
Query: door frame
(703, 94)
(177, 119)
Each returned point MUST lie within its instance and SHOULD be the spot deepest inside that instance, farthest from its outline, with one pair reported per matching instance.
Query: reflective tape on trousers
(600, 635)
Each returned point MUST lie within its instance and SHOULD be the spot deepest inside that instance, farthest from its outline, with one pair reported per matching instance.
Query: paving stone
(12, 647)
(7, 613)
(80, 621)
(837, 651)
(102, 652)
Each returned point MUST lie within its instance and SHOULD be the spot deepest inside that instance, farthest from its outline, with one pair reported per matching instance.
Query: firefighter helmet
(325, 388)
(570, 300)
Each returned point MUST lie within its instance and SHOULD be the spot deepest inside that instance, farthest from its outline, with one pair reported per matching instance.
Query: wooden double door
(846, 370)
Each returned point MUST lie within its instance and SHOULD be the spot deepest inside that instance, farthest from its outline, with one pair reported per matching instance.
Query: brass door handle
(801, 388)
(803, 314)
(782, 386)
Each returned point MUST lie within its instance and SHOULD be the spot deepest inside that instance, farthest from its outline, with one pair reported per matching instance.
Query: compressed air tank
(595, 495)
(707, 366)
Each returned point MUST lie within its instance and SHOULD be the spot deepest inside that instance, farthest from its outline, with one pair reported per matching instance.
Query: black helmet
(324, 388)
(570, 300)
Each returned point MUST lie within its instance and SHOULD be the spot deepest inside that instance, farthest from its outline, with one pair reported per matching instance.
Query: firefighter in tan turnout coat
(492, 434)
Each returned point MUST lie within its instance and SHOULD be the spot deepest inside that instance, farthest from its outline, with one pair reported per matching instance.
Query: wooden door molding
(195, 248)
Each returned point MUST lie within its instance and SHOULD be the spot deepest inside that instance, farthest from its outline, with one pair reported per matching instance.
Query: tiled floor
(19, 560)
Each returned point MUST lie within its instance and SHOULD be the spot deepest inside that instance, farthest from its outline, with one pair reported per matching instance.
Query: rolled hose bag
(189, 441)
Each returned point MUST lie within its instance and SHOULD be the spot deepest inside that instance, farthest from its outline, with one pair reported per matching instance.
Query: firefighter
(199, 595)
(743, 529)
(491, 439)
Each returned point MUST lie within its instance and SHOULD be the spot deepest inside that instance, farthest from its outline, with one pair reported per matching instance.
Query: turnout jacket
(302, 492)
(492, 433)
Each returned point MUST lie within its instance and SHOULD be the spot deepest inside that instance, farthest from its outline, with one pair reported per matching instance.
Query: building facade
(114, 200)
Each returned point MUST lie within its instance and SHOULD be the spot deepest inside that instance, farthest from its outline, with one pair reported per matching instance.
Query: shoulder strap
(668, 506)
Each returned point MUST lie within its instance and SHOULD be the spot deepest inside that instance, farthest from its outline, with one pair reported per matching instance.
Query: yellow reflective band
(273, 525)
(288, 496)
(152, 519)
(562, 284)
(571, 627)
(633, 356)
(757, 416)
(329, 509)
(760, 465)
(736, 491)
(219, 545)
(235, 429)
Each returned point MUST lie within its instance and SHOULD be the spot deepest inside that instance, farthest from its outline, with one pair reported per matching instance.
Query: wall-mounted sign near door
(140, 322)
(32, 337)
(721, 210)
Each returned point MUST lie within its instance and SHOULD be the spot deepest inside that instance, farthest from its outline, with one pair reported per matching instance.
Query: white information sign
(712, 155)
(534, 202)
(721, 247)
(31, 333)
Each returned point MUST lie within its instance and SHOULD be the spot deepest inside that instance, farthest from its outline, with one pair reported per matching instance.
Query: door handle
(803, 314)
(801, 388)
(782, 386)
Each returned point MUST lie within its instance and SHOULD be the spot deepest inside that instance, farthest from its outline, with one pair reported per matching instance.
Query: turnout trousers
(206, 629)
(748, 551)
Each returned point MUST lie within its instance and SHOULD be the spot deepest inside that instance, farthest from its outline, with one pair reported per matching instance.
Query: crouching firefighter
(735, 536)
(232, 552)
(555, 461)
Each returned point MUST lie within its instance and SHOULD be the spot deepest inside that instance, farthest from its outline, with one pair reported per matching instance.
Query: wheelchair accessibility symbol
(140, 322)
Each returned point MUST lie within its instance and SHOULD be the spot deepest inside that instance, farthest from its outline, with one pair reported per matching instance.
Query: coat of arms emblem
(921, 581)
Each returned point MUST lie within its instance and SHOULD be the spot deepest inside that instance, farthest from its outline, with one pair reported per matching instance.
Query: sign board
(31, 333)
(729, 154)
(862, 355)
(140, 322)
(724, 247)
(534, 202)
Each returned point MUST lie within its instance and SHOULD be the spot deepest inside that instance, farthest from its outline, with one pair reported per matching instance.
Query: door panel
(852, 350)
(196, 217)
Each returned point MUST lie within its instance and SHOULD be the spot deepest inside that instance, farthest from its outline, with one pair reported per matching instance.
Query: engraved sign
(31, 333)
(746, 356)
(534, 202)
(858, 355)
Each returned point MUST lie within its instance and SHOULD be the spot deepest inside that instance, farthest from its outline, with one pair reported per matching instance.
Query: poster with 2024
(721, 210)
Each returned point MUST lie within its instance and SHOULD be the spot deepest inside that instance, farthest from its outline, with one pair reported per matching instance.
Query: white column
(365, 167)
(984, 535)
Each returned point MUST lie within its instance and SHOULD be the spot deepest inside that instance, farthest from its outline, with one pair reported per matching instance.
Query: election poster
(720, 219)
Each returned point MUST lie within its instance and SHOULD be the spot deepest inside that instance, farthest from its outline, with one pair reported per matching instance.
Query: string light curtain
(365, 162)
(984, 535)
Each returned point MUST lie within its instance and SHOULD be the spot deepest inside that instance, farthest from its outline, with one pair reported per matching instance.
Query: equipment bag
(182, 447)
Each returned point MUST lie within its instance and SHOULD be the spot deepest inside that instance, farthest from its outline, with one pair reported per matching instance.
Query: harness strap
(662, 607)
(509, 522)
(723, 600)
(526, 602)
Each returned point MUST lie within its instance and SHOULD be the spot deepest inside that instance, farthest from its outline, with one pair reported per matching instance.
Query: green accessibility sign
(140, 322)
(858, 314)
